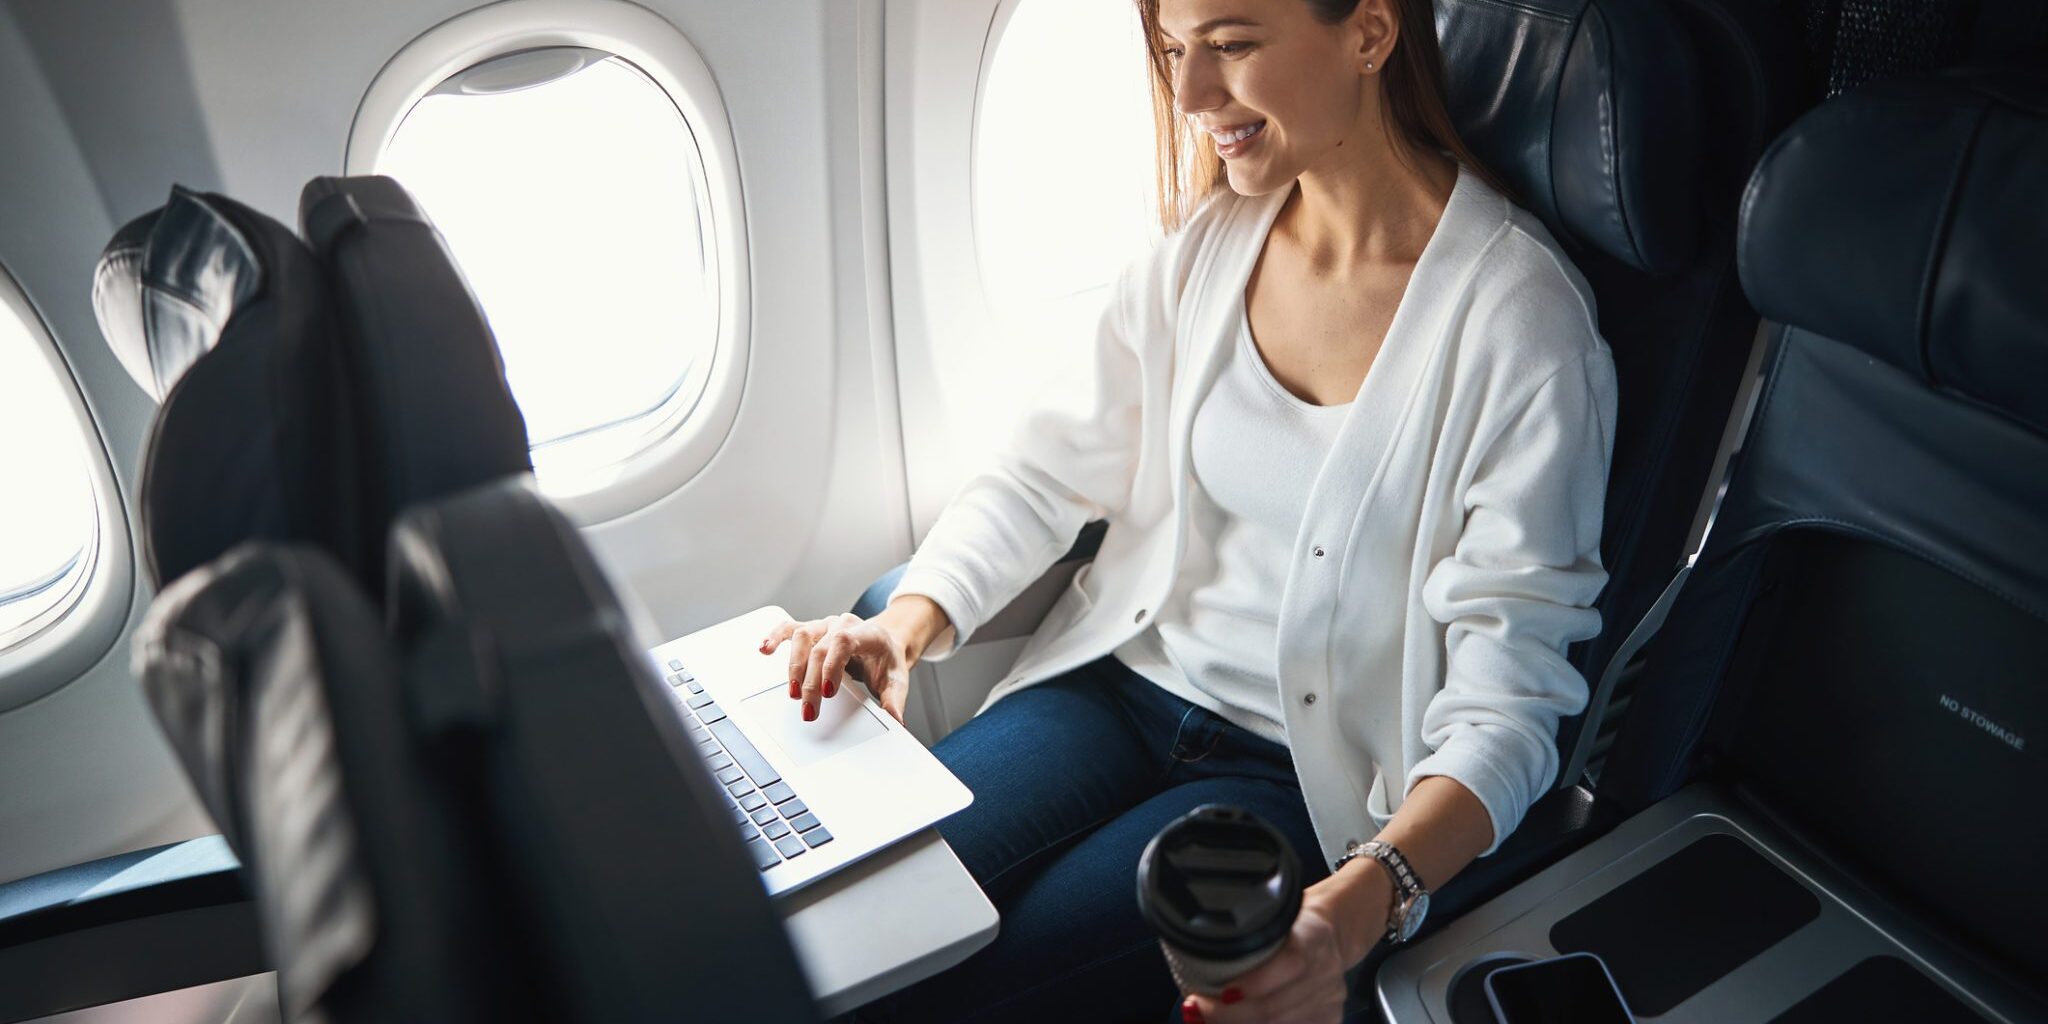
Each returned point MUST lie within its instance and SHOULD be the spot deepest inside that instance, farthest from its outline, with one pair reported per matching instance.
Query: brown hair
(1189, 168)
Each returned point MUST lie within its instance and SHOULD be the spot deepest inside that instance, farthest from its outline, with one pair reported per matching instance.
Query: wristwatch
(1411, 900)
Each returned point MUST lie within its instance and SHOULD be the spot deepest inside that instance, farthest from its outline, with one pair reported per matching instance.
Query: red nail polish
(1231, 995)
(810, 712)
(795, 689)
(1190, 1013)
(831, 687)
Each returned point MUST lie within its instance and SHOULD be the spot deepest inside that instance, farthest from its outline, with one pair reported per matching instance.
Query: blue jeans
(1071, 778)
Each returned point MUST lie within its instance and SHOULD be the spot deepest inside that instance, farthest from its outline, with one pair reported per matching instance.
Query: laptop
(809, 797)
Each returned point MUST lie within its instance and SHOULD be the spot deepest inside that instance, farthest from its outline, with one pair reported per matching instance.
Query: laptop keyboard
(775, 824)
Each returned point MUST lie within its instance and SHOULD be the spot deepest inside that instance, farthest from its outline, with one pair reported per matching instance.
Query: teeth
(1226, 138)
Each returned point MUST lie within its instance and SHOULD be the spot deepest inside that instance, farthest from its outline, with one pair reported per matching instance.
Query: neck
(1372, 200)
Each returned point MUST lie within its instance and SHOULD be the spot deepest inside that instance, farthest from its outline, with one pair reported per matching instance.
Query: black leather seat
(1859, 652)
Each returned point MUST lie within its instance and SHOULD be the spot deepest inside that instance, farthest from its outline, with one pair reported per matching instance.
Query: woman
(1350, 425)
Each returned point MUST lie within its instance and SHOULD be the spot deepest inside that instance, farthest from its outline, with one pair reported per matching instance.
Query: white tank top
(1256, 450)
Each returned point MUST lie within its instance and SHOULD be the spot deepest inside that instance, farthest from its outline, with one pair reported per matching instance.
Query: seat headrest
(1591, 110)
(167, 284)
(1906, 219)
(219, 311)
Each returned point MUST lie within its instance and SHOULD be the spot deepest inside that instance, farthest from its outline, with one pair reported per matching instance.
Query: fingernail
(1190, 1012)
(1231, 995)
(831, 686)
(796, 689)
(810, 712)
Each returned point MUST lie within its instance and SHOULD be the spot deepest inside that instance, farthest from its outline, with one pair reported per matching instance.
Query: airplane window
(571, 191)
(51, 539)
(1063, 178)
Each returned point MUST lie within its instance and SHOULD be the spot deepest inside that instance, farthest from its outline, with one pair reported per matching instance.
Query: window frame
(691, 429)
(64, 641)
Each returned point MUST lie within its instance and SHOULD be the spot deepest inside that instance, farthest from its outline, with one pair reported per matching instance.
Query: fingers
(838, 650)
(800, 645)
(895, 694)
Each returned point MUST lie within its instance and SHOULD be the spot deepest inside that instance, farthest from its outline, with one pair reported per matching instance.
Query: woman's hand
(822, 650)
(1341, 918)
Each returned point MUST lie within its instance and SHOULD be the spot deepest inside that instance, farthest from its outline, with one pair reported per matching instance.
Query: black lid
(1219, 883)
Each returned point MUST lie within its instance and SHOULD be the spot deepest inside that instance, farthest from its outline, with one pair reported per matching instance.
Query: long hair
(1189, 168)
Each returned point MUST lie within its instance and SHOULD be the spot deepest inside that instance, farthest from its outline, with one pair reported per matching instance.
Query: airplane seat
(489, 812)
(1630, 129)
(219, 313)
(434, 413)
(1859, 652)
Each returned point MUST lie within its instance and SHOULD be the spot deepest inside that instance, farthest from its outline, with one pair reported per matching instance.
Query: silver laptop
(809, 797)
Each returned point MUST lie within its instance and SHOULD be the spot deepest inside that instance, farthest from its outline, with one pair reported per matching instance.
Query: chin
(1252, 181)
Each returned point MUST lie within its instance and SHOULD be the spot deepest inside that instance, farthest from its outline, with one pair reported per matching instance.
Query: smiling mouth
(1236, 135)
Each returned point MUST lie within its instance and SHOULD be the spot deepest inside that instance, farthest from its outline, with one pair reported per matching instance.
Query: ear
(1376, 28)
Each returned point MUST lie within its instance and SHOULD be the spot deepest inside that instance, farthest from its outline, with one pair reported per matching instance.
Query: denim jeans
(1071, 778)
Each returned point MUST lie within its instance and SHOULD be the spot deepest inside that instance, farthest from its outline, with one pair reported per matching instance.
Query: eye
(1171, 53)
(1231, 49)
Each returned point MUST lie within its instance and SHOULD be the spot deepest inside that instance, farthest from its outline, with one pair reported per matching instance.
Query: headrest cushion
(1906, 219)
(166, 286)
(1591, 110)
(220, 312)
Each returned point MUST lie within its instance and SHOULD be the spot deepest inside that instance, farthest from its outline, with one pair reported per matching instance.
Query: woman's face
(1276, 89)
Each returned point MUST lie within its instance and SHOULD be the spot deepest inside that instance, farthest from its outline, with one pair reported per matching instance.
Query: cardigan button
(1309, 699)
(1318, 552)
(1140, 617)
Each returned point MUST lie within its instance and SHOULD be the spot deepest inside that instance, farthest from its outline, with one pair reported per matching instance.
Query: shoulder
(1530, 313)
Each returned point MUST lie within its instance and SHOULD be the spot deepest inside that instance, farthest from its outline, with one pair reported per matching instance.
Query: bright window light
(50, 535)
(570, 191)
(1063, 189)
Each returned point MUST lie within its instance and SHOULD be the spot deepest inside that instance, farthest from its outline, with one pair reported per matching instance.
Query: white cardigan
(1449, 550)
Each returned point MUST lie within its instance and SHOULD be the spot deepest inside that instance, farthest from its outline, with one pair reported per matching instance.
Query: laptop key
(765, 856)
(741, 789)
(817, 837)
(778, 792)
(793, 808)
(742, 750)
(695, 687)
(775, 829)
(675, 664)
(755, 802)
(804, 822)
(720, 762)
(698, 700)
(730, 774)
(764, 815)
(790, 846)
(711, 713)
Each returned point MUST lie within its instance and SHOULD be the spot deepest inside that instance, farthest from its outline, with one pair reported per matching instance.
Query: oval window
(571, 191)
(50, 544)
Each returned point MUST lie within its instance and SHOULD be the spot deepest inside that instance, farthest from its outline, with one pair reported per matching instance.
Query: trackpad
(843, 722)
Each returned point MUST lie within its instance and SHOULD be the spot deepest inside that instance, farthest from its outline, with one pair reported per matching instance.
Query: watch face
(1411, 922)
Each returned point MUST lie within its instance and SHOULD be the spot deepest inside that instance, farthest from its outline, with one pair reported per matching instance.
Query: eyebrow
(1212, 23)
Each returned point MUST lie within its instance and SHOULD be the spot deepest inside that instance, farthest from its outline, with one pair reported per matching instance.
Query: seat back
(1860, 646)
(1629, 128)
(273, 678)
(220, 314)
(634, 887)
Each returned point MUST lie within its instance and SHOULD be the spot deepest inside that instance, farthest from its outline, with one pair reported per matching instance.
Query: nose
(1196, 85)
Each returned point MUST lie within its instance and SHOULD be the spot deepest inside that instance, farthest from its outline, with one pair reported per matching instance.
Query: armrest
(1018, 613)
(126, 926)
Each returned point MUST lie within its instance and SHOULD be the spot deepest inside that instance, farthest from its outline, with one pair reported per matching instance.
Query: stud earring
(1368, 65)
